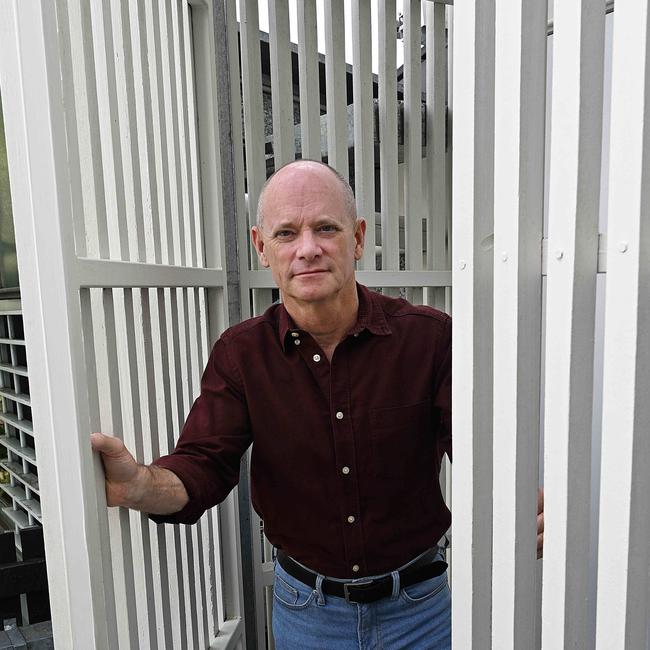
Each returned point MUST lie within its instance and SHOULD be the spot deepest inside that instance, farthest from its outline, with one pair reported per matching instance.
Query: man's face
(307, 237)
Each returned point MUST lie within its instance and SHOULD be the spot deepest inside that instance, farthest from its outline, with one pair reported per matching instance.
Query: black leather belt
(367, 591)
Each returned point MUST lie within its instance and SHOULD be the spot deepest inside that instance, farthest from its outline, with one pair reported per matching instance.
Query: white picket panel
(337, 117)
(390, 246)
(622, 598)
(435, 173)
(576, 123)
(308, 75)
(107, 145)
(472, 271)
(520, 84)
(281, 83)
(364, 117)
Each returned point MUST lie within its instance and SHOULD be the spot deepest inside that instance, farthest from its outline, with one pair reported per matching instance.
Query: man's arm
(150, 489)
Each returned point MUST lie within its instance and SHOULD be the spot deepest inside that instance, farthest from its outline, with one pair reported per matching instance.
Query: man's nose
(308, 246)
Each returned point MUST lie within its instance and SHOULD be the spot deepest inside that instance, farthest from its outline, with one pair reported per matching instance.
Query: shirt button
(346, 470)
(296, 342)
(356, 335)
(351, 519)
(316, 358)
(355, 568)
(295, 334)
(339, 415)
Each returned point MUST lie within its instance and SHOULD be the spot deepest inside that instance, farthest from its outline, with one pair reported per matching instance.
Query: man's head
(307, 232)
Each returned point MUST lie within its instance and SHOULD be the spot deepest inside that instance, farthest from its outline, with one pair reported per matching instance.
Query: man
(346, 395)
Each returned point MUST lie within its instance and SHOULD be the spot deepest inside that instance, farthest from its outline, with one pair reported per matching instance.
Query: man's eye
(283, 234)
(328, 228)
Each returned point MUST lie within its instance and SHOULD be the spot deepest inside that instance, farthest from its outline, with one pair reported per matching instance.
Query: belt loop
(396, 585)
(318, 588)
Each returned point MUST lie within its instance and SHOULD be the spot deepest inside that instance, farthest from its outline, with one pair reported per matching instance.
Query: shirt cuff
(195, 507)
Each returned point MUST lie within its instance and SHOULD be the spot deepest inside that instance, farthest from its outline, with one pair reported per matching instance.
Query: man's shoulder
(259, 326)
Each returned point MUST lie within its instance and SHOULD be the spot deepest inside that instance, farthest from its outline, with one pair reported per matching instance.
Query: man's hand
(151, 489)
(540, 522)
(122, 471)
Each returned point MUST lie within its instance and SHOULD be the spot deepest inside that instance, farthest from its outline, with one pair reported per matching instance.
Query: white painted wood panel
(576, 123)
(520, 86)
(472, 278)
(622, 609)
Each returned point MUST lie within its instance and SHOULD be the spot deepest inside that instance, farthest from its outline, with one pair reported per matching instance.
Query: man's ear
(258, 242)
(359, 238)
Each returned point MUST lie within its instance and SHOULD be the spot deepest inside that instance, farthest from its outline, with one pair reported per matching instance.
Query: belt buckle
(347, 585)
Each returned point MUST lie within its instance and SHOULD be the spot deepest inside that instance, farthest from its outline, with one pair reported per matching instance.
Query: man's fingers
(540, 500)
(540, 545)
(107, 445)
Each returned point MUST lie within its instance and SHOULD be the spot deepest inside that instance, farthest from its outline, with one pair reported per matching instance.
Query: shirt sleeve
(216, 434)
(442, 392)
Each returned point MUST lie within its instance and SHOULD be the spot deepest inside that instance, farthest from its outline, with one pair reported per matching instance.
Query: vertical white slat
(520, 101)
(196, 577)
(281, 84)
(149, 356)
(473, 195)
(146, 149)
(622, 609)
(86, 120)
(364, 126)
(435, 173)
(576, 124)
(388, 137)
(112, 422)
(308, 80)
(89, 338)
(128, 128)
(84, 229)
(180, 368)
(335, 87)
(193, 130)
(184, 104)
(117, 230)
(169, 546)
(30, 77)
(169, 91)
(412, 136)
(131, 343)
(159, 128)
(251, 75)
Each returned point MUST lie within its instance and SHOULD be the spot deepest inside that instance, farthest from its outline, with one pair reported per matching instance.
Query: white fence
(505, 315)
(137, 152)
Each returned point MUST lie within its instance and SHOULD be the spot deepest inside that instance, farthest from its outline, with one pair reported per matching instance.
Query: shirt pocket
(402, 441)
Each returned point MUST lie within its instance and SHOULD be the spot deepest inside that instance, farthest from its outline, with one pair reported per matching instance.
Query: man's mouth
(313, 272)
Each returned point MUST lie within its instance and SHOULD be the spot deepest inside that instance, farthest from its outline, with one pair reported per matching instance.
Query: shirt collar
(370, 317)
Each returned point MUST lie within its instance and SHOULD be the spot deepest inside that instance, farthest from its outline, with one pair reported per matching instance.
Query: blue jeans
(414, 618)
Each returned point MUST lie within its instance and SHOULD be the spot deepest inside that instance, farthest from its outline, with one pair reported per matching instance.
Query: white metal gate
(115, 130)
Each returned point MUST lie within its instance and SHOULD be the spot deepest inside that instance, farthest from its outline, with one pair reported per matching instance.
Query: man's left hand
(540, 522)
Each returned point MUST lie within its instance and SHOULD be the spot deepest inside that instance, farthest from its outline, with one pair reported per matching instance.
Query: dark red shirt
(346, 455)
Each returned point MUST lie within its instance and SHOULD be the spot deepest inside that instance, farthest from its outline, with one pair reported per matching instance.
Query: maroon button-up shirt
(346, 455)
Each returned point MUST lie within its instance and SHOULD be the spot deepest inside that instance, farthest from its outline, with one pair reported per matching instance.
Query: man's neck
(328, 321)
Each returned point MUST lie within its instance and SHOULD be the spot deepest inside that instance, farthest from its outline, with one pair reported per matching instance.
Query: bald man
(346, 395)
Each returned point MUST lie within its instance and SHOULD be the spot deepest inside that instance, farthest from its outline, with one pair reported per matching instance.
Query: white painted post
(337, 118)
(35, 130)
(520, 91)
(576, 123)
(435, 174)
(623, 599)
(388, 137)
(472, 269)
(281, 83)
(308, 80)
(364, 123)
